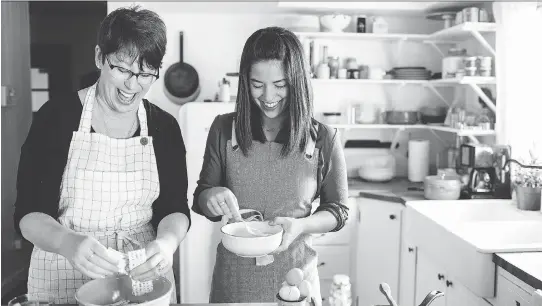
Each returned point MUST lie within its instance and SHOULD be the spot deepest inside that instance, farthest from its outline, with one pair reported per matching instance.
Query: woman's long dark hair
(275, 43)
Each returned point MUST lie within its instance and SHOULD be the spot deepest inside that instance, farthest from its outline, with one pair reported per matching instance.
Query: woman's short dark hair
(138, 32)
(275, 43)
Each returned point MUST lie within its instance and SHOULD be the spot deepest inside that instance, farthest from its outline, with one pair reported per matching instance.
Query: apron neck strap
(309, 149)
(86, 117)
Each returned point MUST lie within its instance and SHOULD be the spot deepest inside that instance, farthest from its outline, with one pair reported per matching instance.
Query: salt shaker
(340, 293)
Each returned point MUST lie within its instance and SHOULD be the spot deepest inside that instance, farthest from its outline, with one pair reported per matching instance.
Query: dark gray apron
(276, 187)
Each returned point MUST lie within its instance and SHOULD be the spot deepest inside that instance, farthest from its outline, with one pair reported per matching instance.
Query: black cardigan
(45, 153)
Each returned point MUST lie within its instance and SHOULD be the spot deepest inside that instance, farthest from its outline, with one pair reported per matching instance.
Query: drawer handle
(440, 277)
(321, 264)
(411, 250)
(449, 283)
(392, 217)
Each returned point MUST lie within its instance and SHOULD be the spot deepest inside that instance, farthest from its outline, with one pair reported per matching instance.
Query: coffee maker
(487, 176)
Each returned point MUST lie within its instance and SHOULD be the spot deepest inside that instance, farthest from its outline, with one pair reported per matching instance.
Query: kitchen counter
(396, 190)
(206, 304)
(526, 266)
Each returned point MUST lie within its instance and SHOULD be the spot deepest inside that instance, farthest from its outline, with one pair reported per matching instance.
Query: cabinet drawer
(334, 238)
(509, 294)
(333, 260)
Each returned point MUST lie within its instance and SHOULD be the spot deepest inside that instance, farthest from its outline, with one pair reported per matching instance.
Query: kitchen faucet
(384, 288)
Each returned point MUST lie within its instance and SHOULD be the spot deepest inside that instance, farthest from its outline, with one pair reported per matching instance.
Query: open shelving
(440, 82)
(462, 32)
(363, 36)
(470, 133)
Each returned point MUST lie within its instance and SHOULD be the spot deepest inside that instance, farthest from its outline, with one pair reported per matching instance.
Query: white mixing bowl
(111, 290)
(238, 240)
(334, 23)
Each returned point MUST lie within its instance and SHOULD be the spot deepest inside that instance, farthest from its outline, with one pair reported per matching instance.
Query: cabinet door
(378, 248)
(428, 278)
(407, 274)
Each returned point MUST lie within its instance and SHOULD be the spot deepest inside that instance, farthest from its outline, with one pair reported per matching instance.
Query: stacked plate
(411, 73)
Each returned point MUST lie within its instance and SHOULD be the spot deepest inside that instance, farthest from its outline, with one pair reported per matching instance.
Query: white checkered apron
(107, 191)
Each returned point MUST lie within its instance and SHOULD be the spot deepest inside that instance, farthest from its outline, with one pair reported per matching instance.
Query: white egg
(289, 293)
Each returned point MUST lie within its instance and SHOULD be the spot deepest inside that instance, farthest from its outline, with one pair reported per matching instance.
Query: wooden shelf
(367, 81)
(459, 132)
(362, 36)
(462, 31)
(466, 80)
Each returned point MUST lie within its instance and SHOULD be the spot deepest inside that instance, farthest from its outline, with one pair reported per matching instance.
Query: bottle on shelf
(323, 71)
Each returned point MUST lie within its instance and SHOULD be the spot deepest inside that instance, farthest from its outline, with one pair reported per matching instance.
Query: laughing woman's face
(119, 88)
(268, 87)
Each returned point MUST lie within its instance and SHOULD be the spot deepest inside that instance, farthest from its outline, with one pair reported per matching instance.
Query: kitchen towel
(418, 160)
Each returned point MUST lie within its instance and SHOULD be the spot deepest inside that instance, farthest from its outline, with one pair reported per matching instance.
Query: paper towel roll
(418, 160)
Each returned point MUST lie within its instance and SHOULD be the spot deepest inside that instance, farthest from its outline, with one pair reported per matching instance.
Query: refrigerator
(198, 250)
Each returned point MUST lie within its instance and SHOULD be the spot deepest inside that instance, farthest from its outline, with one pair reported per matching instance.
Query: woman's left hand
(292, 228)
(159, 261)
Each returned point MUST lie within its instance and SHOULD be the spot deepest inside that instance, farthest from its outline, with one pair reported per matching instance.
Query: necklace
(130, 131)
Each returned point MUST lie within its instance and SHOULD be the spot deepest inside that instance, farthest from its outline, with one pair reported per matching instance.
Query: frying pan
(181, 81)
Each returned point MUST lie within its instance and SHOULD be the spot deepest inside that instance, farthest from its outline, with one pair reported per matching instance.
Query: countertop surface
(526, 266)
(398, 190)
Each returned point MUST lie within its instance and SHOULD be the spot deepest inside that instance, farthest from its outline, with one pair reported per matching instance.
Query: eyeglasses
(126, 74)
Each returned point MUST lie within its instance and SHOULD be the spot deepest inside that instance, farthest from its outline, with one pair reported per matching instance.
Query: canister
(470, 14)
(459, 18)
(331, 118)
(470, 61)
(453, 62)
(342, 73)
(483, 16)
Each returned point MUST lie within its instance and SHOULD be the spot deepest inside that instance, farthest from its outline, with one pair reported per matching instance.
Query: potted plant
(528, 183)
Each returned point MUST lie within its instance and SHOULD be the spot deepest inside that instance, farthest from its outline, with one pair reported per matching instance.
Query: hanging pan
(181, 81)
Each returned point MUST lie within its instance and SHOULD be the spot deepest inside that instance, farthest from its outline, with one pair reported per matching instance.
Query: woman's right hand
(222, 202)
(88, 255)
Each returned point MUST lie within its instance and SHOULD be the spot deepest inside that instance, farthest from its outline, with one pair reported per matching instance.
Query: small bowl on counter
(442, 187)
(378, 168)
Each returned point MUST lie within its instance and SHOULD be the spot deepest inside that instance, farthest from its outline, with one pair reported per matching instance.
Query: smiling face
(268, 87)
(119, 92)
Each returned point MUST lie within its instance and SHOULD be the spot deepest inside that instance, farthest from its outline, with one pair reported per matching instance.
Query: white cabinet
(378, 250)
(430, 276)
(335, 251)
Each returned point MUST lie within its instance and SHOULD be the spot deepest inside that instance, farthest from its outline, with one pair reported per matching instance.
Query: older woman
(104, 168)
(273, 157)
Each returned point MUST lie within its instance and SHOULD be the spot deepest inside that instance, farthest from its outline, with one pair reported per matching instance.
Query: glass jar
(340, 293)
(334, 67)
(453, 62)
